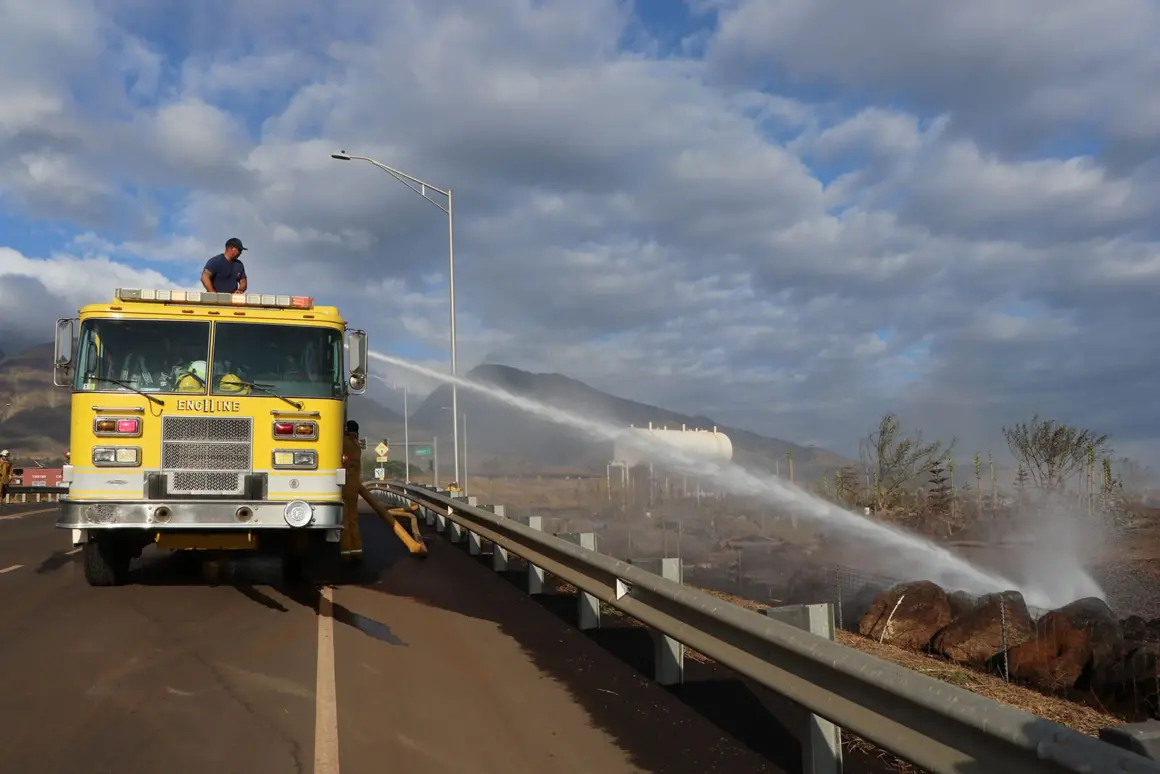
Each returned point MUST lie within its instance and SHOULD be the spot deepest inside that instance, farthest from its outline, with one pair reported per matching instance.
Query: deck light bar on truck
(214, 299)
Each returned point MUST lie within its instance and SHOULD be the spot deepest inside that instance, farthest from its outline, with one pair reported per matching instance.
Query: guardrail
(926, 722)
(34, 494)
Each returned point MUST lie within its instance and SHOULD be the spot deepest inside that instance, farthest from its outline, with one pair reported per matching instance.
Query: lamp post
(406, 439)
(421, 188)
(463, 483)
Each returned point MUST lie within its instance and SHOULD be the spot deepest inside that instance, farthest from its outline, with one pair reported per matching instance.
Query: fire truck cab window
(296, 361)
(149, 355)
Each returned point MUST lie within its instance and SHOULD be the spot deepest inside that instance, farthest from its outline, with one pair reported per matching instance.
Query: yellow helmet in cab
(231, 384)
(194, 383)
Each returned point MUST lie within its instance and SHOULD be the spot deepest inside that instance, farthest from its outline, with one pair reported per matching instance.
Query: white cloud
(36, 291)
(827, 218)
(1019, 75)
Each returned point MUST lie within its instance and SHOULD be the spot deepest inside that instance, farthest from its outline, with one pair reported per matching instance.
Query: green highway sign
(422, 451)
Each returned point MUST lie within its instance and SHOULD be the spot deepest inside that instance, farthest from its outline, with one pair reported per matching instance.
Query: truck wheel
(323, 565)
(106, 562)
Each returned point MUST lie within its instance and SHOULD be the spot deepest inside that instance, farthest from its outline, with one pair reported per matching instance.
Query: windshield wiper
(270, 391)
(126, 385)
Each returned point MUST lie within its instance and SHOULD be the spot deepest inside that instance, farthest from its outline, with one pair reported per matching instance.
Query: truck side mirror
(357, 356)
(62, 352)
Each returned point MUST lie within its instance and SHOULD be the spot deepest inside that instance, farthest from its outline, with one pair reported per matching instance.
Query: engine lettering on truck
(208, 406)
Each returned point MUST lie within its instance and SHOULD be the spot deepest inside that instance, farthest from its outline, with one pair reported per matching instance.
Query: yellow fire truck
(209, 421)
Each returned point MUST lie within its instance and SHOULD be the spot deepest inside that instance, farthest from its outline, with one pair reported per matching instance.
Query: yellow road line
(325, 691)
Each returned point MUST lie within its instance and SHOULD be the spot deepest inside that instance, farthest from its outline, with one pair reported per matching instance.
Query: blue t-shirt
(225, 274)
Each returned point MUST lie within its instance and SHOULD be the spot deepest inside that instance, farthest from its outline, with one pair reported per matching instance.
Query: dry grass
(1081, 718)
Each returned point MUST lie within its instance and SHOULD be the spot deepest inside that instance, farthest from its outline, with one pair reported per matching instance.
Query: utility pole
(406, 438)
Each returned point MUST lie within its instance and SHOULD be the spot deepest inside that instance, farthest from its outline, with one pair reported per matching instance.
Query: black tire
(293, 568)
(323, 565)
(106, 562)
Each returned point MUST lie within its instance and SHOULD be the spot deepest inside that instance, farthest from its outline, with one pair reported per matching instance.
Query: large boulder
(1134, 676)
(1050, 665)
(997, 622)
(1067, 647)
(1131, 670)
(907, 615)
(1136, 629)
(961, 603)
(856, 605)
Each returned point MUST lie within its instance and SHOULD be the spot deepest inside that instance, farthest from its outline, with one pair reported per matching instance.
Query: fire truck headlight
(298, 513)
(116, 456)
(296, 459)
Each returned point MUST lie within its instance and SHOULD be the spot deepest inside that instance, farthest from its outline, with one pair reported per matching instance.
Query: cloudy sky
(791, 215)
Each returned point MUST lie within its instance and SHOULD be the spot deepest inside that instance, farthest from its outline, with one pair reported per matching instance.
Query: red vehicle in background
(46, 477)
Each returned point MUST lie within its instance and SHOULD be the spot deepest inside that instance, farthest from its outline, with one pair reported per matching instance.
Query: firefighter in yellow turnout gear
(5, 471)
(351, 543)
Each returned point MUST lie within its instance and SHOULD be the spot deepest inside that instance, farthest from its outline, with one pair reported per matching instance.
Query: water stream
(914, 556)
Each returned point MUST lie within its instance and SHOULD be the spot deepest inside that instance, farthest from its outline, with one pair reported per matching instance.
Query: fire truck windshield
(142, 356)
(296, 361)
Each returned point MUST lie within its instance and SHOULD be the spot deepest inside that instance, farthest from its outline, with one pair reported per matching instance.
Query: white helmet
(3, 453)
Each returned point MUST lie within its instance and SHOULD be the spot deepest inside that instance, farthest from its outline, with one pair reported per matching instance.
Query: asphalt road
(429, 666)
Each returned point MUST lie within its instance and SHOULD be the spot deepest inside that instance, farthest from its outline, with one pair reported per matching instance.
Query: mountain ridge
(511, 433)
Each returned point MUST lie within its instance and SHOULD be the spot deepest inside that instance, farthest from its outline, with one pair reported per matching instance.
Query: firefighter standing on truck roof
(225, 272)
(351, 545)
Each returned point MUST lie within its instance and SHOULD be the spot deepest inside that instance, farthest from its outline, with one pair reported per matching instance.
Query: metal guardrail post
(668, 654)
(535, 574)
(499, 554)
(588, 606)
(454, 531)
(821, 740)
(1140, 738)
(474, 541)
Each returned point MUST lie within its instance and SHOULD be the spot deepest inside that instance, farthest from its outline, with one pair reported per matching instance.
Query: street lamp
(406, 439)
(421, 188)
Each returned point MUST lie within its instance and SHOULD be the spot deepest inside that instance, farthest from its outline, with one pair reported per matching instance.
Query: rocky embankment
(1082, 648)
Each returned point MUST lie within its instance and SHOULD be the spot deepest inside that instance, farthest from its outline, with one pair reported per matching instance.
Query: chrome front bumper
(190, 515)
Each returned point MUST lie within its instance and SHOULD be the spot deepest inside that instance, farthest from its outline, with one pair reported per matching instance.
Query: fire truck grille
(206, 455)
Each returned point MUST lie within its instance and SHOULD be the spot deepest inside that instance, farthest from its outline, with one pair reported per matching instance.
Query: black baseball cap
(235, 242)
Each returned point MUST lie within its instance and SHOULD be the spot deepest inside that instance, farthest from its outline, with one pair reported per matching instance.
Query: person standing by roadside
(5, 471)
(225, 272)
